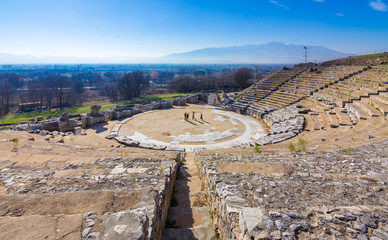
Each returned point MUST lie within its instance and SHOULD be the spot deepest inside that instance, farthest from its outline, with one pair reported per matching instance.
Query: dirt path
(188, 216)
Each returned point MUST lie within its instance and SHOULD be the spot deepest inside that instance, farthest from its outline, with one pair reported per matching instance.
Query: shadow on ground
(100, 128)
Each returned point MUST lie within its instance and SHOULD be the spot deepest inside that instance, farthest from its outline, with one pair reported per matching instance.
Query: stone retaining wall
(65, 124)
(148, 221)
(330, 195)
(129, 196)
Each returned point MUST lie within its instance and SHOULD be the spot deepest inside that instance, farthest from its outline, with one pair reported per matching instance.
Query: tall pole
(305, 54)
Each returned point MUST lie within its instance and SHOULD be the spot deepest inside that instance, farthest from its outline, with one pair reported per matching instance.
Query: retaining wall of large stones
(129, 196)
(329, 195)
(65, 124)
(148, 220)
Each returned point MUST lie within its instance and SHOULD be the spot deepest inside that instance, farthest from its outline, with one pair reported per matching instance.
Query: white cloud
(378, 5)
(340, 14)
(279, 4)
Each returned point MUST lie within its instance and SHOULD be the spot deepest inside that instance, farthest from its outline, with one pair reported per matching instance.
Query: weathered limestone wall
(49, 125)
(114, 115)
(213, 99)
(329, 195)
(164, 201)
(88, 120)
(224, 217)
(148, 221)
(180, 101)
(65, 124)
(94, 117)
(121, 198)
(193, 99)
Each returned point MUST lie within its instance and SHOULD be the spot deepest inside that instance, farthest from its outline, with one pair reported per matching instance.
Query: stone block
(213, 100)
(131, 224)
(77, 131)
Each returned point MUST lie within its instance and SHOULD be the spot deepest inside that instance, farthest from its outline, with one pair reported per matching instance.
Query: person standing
(193, 115)
(201, 117)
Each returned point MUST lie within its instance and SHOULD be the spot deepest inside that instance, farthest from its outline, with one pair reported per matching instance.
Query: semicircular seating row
(327, 97)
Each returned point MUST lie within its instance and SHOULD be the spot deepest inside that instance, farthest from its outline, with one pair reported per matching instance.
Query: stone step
(193, 185)
(185, 171)
(380, 98)
(334, 122)
(187, 217)
(190, 218)
(309, 123)
(378, 102)
(190, 199)
(356, 110)
(195, 233)
(317, 122)
(324, 120)
(344, 119)
(369, 109)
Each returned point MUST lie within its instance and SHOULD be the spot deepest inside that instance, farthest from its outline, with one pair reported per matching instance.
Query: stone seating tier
(357, 110)
(378, 102)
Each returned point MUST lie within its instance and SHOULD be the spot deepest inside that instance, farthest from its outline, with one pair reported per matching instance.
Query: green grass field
(21, 117)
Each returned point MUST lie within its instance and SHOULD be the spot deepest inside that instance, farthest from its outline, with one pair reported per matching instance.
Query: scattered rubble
(299, 196)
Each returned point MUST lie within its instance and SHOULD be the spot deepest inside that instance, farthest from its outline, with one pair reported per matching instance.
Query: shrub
(216, 235)
(302, 144)
(15, 144)
(350, 149)
(257, 148)
(291, 146)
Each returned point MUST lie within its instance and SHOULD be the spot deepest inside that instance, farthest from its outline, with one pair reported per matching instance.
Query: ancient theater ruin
(301, 154)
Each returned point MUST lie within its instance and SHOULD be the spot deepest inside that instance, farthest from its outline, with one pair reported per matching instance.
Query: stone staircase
(188, 216)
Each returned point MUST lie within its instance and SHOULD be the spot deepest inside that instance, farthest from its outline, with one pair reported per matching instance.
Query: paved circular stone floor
(168, 128)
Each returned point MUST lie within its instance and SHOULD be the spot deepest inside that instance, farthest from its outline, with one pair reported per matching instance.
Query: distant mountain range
(262, 54)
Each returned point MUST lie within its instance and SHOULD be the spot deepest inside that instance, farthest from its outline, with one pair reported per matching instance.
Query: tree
(36, 92)
(58, 85)
(110, 90)
(78, 87)
(141, 82)
(242, 76)
(92, 78)
(7, 91)
(13, 78)
(48, 95)
(132, 84)
(183, 83)
(126, 86)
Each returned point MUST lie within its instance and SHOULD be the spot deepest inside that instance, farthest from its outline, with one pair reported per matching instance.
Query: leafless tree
(58, 85)
(131, 84)
(7, 92)
(242, 76)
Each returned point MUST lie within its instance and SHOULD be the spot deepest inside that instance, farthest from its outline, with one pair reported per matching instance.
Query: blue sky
(151, 28)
